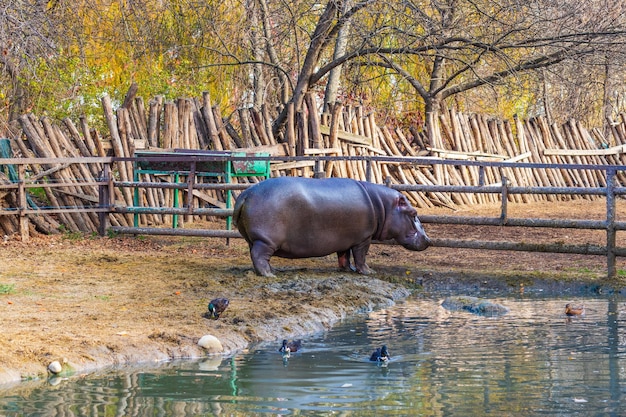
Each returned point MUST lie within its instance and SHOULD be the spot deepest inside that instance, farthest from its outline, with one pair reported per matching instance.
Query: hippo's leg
(260, 252)
(360, 251)
(344, 260)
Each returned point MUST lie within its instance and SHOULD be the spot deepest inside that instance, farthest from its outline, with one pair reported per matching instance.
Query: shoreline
(384, 294)
(170, 345)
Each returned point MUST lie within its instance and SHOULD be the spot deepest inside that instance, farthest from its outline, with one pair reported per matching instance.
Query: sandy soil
(91, 302)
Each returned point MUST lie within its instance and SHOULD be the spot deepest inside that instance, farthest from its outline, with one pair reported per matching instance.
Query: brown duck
(574, 311)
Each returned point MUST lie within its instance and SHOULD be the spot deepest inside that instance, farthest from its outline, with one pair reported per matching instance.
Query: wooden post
(221, 131)
(259, 126)
(21, 197)
(333, 138)
(314, 122)
(244, 123)
(267, 124)
(104, 199)
(610, 221)
(140, 113)
(302, 137)
(291, 129)
(302, 140)
(209, 119)
(97, 140)
(93, 148)
(183, 125)
(201, 132)
(154, 118)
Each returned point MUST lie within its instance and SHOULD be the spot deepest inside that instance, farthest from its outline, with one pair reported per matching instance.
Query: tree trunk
(607, 108)
(258, 81)
(546, 97)
(332, 87)
(431, 108)
(318, 41)
(271, 51)
(17, 101)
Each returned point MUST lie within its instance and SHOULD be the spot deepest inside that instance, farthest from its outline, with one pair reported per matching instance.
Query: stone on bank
(210, 344)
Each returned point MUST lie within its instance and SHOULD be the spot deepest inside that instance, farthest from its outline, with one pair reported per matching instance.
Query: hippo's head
(404, 226)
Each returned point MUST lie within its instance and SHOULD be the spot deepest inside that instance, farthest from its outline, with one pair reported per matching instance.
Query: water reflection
(534, 360)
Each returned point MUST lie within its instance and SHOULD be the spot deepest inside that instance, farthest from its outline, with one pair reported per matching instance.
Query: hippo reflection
(294, 217)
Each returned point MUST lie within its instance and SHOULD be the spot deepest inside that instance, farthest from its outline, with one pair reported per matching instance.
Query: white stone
(55, 367)
(210, 343)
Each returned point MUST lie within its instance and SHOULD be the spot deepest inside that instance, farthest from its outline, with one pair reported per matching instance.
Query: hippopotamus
(294, 217)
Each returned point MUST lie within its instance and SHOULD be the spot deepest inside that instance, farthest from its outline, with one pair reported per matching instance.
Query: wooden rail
(108, 204)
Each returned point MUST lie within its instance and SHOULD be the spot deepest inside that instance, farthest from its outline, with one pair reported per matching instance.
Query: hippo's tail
(237, 211)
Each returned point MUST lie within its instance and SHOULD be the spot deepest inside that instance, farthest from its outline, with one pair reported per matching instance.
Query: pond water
(532, 361)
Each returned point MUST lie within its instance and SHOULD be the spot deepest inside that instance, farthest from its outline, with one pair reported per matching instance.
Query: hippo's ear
(402, 204)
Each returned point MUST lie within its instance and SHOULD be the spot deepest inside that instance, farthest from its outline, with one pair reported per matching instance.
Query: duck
(289, 347)
(217, 307)
(381, 354)
(574, 311)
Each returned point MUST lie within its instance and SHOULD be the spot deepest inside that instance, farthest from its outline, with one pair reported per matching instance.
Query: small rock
(474, 305)
(210, 343)
(55, 367)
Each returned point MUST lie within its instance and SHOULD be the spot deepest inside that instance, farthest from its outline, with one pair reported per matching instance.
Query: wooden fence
(107, 207)
(350, 134)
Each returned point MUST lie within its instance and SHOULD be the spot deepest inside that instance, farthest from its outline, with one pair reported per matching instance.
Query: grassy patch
(7, 289)
(584, 270)
(39, 194)
(68, 234)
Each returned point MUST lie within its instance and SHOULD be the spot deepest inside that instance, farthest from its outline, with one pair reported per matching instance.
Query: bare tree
(461, 45)
(326, 29)
(429, 51)
(464, 45)
(26, 34)
(334, 76)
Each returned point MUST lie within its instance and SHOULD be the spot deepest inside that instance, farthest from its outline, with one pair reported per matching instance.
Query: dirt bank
(93, 302)
(100, 302)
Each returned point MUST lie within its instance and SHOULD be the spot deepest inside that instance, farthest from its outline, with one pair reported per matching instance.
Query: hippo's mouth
(416, 242)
